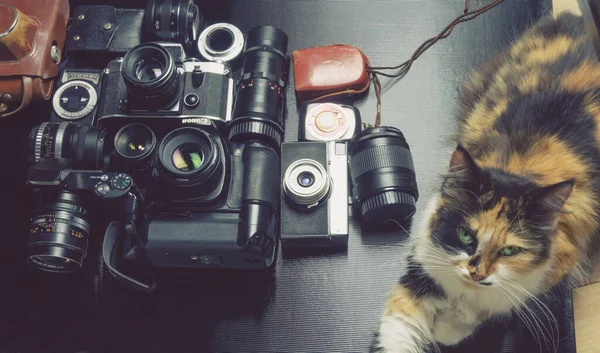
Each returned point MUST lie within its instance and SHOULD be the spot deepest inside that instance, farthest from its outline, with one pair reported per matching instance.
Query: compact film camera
(203, 162)
(314, 206)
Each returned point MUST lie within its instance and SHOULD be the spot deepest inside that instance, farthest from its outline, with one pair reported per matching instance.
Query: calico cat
(518, 211)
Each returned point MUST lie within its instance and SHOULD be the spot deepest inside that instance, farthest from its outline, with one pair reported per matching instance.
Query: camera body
(314, 195)
(328, 122)
(187, 88)
(206, 166)
(221, 214)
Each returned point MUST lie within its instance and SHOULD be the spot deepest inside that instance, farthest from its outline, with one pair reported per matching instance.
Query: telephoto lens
(82, 144)
(151, 77)
(383, 176)
(58, 236)
(260, 93)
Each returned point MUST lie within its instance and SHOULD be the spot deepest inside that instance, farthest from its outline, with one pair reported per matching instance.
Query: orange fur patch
(582, 79)
(401, 302)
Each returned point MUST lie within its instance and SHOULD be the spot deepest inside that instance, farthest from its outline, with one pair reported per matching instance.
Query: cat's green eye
(510, 251)
(464, 237)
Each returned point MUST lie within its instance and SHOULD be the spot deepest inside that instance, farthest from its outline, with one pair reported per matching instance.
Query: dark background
(309, 304)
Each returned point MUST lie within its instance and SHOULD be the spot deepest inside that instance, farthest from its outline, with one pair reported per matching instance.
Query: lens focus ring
(381, 156)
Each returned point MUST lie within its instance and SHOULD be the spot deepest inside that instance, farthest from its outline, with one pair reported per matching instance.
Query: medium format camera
(328, 122)
(157, 79)
(205, 166)
(314, 195)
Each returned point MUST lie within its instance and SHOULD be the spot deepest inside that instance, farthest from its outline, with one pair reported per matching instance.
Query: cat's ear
(463, 172)
(548, 201)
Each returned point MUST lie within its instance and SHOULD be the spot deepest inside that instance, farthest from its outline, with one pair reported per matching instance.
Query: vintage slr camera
(206, 166)
(314, 195)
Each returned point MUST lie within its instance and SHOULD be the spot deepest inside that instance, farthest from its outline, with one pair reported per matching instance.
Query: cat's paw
(450, 333)
(399, 334)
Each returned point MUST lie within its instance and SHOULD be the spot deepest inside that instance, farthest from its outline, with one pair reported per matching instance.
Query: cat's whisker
(553, 330)
(555, 334)
(522, 315)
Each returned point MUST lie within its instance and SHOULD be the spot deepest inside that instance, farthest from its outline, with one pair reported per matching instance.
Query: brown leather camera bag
(32, 37)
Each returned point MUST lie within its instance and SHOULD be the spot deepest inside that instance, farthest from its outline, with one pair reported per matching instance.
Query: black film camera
(206, 164)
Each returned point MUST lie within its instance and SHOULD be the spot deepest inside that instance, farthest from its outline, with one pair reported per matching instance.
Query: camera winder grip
(260, 199)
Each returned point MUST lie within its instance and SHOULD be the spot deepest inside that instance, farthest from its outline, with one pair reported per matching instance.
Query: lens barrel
(59, 234)
(190, 160)
(173, 20)
(83, 144)
(260, 94)
(151, 77)
(383, 176)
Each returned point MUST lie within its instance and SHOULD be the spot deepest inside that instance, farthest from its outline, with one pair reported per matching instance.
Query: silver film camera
(314, 195)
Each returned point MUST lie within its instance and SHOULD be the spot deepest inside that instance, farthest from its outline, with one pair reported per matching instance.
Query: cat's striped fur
(519, 209)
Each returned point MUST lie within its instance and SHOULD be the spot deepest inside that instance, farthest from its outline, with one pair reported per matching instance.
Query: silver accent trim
(337, 207)
(223, 56)
(14, 24)
(60, 135)
(309, 196)
(38, 141)
(190, 65)
(79, 114)
(230, 100)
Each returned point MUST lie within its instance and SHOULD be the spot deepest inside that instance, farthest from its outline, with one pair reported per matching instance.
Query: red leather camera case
(328, 71)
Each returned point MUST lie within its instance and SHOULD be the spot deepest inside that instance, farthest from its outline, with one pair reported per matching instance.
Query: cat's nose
(477, 277)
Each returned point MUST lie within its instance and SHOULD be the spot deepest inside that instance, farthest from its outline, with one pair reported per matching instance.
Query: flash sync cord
(403, 68)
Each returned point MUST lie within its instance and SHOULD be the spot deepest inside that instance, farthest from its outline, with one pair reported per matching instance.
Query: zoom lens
(306, 183)
(221, 42)
(383, 176)
(82, 144)
(260, 93)
(172, 20)
(190, 160)
(151, 77)
(58, 236)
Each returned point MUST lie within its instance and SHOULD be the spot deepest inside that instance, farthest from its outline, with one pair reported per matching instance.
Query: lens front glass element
(306, 179)
(187, 158)
(148, 69)
(135, 141)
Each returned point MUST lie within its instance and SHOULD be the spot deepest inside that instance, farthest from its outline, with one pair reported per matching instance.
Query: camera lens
(260, 93)
(150, 76)
(306, 183)
(187, 158)
(172, 20)
(221, 42)
(134, 142)
(306, 179)
(84, 145)
(190, 160)
(58, 236)
(383, 176)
